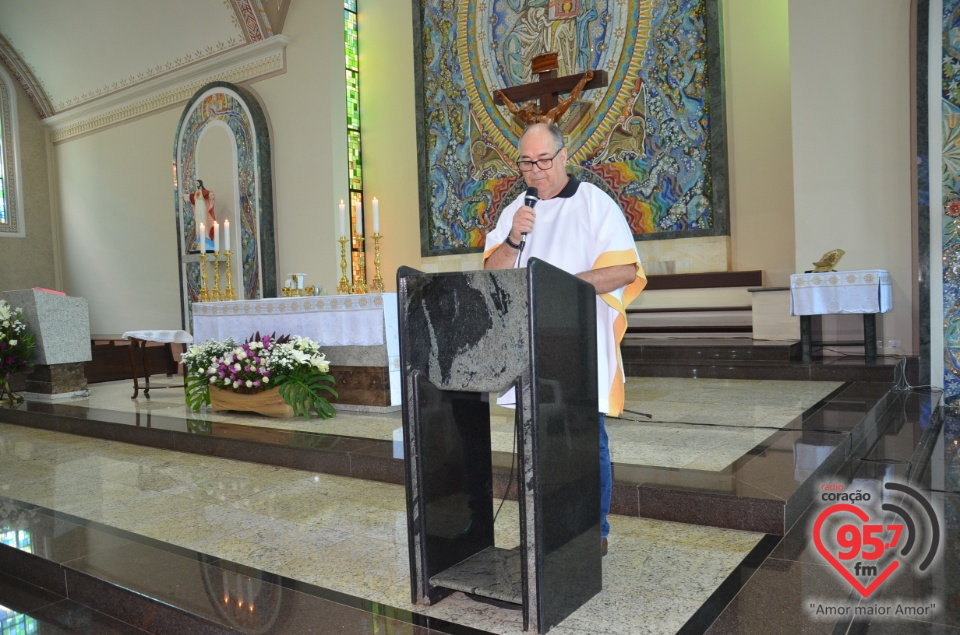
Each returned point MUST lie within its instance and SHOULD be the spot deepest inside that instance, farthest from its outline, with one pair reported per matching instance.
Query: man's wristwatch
(511, 243)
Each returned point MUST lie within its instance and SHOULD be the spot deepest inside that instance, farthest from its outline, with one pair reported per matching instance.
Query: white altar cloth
(866, 291)
(348, 320)
(339, 320)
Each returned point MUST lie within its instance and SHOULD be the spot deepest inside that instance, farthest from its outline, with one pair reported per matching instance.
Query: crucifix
(547, 89)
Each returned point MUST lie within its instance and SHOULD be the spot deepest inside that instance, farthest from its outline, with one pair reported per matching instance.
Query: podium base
(493, 573)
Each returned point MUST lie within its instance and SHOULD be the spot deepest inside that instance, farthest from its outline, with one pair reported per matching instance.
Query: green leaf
(302, 391)
(196, 389)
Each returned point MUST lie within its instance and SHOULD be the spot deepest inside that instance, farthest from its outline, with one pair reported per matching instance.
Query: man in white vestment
(580, 229)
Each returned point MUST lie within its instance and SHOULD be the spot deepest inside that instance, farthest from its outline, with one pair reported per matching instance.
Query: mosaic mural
(645, 138)
(951, 200)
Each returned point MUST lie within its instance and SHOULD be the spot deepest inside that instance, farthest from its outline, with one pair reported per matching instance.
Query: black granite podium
(463, 336)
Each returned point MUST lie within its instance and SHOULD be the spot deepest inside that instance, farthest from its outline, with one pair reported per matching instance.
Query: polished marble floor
(342, 534)
(114, 508)
(700, 424)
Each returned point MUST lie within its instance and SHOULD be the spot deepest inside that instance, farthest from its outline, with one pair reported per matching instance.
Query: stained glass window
(351, 42)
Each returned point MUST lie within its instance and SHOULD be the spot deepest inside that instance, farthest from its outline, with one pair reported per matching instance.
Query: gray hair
(552, 128)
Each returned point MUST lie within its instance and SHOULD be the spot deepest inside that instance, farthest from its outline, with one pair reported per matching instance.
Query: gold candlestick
(344, 287)
(377, 285)
(360, 286)
(228, 294)
(215, 294)
(202, 295)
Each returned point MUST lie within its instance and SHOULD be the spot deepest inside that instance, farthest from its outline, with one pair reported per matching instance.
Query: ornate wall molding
(13, 226)
(24, 75)
(245, 64)
(253, 19)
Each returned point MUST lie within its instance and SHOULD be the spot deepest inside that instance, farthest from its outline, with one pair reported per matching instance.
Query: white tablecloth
(866, 291)
(168, 337)
(348, 320)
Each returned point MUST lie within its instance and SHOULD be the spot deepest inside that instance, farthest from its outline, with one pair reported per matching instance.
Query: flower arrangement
(16, 348)
(294, 365)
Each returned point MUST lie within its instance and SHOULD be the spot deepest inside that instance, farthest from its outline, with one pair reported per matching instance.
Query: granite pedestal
(61, 326)
(463, 336)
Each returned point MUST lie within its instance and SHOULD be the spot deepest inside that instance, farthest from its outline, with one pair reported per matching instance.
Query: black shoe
(603, 546)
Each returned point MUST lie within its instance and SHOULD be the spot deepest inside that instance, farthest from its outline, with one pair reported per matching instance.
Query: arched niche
(223, 124)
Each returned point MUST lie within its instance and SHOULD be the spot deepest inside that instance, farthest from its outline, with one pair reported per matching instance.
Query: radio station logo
(867, 543)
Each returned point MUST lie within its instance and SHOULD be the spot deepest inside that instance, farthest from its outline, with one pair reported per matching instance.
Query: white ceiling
(78, 51)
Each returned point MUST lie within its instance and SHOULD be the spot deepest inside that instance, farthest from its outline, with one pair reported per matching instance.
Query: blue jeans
(606, 480)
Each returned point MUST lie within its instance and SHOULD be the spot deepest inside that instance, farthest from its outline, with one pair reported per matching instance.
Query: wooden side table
(138, 340)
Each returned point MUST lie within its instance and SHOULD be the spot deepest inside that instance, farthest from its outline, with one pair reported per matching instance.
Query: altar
(358, 334)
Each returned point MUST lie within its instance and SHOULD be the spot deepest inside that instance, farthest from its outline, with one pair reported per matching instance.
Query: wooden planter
(268, 403)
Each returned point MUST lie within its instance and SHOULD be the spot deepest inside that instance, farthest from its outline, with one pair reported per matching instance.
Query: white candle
(203, 238)
(359, 214)
(226, 235)
(216, 236)
(343, 220)
(376, 215)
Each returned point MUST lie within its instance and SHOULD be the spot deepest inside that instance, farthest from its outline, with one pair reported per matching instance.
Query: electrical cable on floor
(900, 382)
(513, 457)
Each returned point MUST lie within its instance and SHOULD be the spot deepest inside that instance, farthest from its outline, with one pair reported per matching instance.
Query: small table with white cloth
(138, 340)
(357, 333)
(840, 292)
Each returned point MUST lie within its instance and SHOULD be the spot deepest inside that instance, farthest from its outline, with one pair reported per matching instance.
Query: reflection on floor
(324, 553)
(345, 535)
(732, 416)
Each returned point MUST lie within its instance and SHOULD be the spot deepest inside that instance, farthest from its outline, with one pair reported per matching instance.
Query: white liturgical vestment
(579, 230)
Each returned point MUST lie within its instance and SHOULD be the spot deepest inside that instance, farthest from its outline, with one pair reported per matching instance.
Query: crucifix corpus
(547, 90)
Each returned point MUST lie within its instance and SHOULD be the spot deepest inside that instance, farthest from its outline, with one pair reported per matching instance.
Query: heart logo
(858, 531)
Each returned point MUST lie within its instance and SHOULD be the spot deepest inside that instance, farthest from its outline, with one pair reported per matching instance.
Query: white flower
(236, 367)
(236, 384)
(266, 380)
(249, 384)
(241, 354)
(213, 380)
(4, 312)
(299, 356)
(13, 342)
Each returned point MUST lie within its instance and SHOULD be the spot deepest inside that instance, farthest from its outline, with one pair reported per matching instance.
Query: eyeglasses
(543, 164)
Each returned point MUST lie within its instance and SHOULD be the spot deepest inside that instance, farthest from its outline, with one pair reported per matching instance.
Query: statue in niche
(828, 261)
(203, 202)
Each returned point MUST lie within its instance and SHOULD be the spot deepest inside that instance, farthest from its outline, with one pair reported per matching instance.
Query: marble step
(72, 575)
(743, 358)
(756, 492)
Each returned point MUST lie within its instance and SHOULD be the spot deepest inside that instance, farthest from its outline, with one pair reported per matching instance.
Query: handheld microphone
(529, 199)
